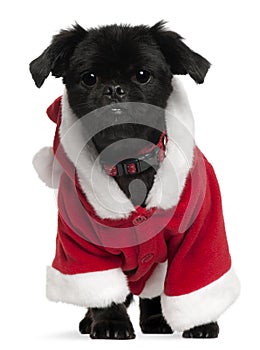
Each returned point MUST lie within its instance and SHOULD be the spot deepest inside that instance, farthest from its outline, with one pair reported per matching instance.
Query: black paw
(112, 329)
(155, 324)
(209, 330)
(85, 324)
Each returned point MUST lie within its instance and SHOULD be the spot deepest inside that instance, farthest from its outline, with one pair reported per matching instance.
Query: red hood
(54, 111)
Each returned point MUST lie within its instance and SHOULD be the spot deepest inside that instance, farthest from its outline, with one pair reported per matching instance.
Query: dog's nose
(114, 91)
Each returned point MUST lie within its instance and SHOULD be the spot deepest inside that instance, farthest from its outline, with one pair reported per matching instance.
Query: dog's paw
(209, 330)
(155, 324)
(85, 324)
(112, 329)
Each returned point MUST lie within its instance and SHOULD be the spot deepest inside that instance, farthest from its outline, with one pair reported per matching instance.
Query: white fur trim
(154, 286)
(171, 176)
(202, 306)
(48, 170)
(92, 289)
(102, 191)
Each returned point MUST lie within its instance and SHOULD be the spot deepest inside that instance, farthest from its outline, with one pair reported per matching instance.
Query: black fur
(151, 318)
(209, 330)
(152, 321)
(114, 54)
(108, 323)
(182, 59)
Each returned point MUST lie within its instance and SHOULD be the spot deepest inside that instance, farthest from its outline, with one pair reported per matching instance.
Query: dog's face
(117, 64)
(114, 66)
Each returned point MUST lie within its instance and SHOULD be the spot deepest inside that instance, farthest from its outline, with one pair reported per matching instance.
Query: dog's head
(115, 65)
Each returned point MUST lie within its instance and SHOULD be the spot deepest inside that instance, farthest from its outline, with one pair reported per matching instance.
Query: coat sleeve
(200, 283)
(82, 273)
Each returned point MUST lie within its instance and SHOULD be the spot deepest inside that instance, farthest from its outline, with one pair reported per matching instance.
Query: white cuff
(154, 286)
(201, 306)
(92, 289)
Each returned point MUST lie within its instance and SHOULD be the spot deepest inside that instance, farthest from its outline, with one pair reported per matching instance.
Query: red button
(139, 219)
(147, 258)
(131, 168)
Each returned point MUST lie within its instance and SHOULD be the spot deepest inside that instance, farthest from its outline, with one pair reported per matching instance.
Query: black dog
(108, 68)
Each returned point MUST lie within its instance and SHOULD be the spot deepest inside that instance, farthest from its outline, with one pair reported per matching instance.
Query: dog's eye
(142, 76)
(89, 79)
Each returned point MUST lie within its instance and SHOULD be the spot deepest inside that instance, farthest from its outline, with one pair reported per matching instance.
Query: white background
(226, 110)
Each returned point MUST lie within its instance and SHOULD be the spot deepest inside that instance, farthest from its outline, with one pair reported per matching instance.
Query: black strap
(142, 163)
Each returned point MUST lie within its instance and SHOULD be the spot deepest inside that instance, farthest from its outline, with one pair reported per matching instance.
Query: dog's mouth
(127, 112)
(123, 129)
(117, 110)
(123, 141)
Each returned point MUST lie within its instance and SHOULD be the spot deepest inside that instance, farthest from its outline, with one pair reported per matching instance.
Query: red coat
(180, 253)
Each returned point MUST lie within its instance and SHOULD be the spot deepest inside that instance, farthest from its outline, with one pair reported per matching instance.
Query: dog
(141, 217)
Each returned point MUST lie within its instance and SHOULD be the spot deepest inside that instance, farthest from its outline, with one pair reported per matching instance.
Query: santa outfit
(174, 247)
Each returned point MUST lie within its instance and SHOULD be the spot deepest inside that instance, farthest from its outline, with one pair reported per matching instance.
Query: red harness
(149, 156)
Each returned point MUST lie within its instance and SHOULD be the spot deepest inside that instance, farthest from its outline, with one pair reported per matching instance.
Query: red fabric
(190, 236)
(54, 110)
(150, 148)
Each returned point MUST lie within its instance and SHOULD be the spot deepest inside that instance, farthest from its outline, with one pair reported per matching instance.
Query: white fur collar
(102, 191)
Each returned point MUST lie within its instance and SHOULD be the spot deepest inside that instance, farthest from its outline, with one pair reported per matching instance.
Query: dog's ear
(181, 59)
(56, 57)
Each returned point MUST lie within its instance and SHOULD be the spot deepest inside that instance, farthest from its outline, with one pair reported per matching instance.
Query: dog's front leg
(151, 318)
(108, 323)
